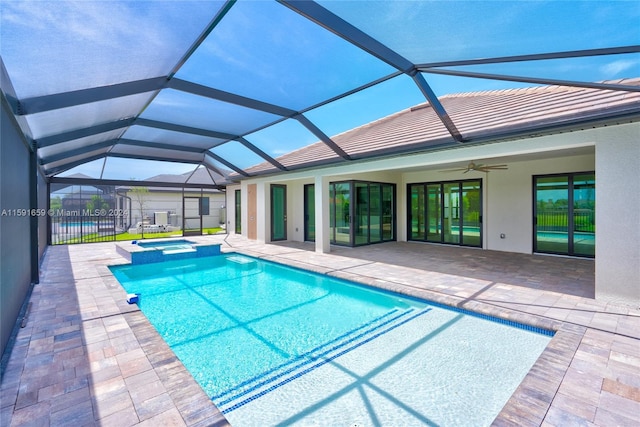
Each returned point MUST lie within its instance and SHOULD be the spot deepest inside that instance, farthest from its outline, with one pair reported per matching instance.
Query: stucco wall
(618, 215)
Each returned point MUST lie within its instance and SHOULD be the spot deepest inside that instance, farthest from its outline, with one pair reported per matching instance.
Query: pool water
(276, 345)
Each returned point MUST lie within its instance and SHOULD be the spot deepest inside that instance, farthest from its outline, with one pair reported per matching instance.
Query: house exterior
(553, 177)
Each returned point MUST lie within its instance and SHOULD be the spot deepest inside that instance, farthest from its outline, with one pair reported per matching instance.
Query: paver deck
(86, 357)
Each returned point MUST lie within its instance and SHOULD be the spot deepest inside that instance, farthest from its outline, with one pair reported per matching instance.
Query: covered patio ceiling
(117, 89)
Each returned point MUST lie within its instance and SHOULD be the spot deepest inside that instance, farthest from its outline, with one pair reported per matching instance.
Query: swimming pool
(276, 345)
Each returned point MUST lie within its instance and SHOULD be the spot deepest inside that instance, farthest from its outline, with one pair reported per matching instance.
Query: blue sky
(265, 51)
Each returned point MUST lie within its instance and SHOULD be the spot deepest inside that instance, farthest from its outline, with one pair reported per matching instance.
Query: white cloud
(615, 68)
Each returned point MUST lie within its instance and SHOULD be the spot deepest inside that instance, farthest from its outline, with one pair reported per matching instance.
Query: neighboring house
(169, 206)
(554, 149)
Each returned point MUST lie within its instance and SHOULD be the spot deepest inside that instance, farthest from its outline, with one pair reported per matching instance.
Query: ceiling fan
(478, 167)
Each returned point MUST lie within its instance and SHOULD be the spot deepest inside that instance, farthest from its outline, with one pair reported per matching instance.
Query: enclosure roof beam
(71, 164)
(261, 153)
(130, 183)
(534, 57)
(184, 129)
(155, 158)
(437, 106)
(226, 163)
(39, 104)
(322, 136)
(331, 22)
(228, 97)
(148, 144)
(535, 80)
(82, 133)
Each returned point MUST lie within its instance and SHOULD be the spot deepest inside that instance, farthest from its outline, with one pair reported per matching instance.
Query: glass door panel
(471, 213)
(451, 213)
(375, 214)
(342, 199)
(309, 213)
(388, 212)
(417, 226)
(238, 216)
(552, 214)
(278, 212)
(361, 222)
(434, 213)
(584, 208)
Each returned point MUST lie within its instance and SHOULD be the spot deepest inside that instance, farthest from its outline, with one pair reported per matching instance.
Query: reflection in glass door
(361, 231)
(552, 214)
(451, 213)
(388, 207)
(417, 224)
(238, 212)
(309, 213)
(278, 212)
(434, 213)
(584, 215)
(375, 214)
(471, 213)
(446, 212)
(564, 217)
(341, 221)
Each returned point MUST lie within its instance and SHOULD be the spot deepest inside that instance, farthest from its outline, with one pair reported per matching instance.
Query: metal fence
(69, 229)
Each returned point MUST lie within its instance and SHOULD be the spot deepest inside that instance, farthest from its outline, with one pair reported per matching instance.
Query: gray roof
(481, 117)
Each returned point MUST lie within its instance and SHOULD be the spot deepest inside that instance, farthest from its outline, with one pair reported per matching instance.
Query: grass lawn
(127, 236)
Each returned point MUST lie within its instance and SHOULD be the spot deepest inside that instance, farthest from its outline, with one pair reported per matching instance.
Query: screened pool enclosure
(132, 90)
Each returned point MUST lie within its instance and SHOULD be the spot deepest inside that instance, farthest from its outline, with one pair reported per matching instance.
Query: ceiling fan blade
(454, 170)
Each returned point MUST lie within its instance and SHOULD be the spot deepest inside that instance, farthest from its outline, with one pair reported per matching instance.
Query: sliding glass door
(361, 212)
(446, 212)
(309, 213)
(564, 214)
(278, 212)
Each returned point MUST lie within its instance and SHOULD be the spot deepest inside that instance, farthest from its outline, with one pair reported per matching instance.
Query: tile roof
(479, 116)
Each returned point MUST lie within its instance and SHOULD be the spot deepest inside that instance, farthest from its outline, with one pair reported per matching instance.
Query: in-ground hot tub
(165, 250)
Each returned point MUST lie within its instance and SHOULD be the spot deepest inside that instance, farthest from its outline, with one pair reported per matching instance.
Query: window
(204, 206)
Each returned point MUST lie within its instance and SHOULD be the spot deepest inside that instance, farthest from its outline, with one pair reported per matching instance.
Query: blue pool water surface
(276, 345)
